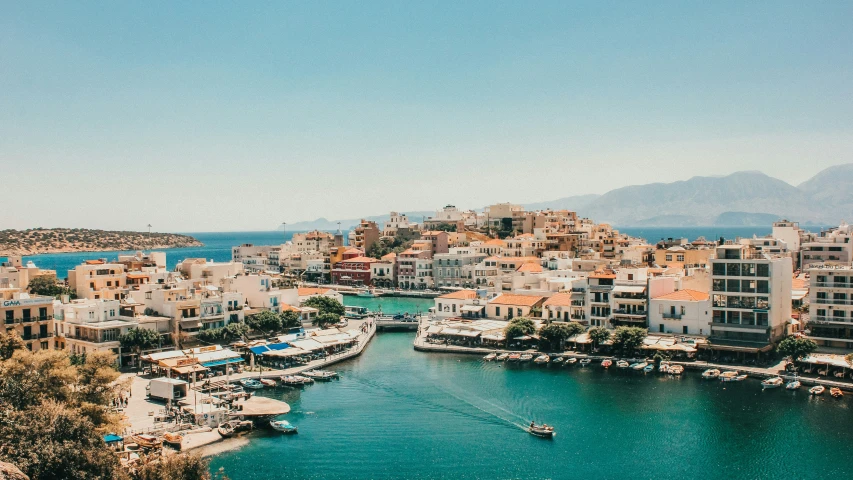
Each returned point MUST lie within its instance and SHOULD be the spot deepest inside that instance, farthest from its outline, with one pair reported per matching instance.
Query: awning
(498, 338)
(464, 333)
(290, 352)
(629, 289)
(224, 361)
(156, 357)
(187, 369)
(112, 438)
(473, 308)
(308, 344)
(435, 329)
(190, 323)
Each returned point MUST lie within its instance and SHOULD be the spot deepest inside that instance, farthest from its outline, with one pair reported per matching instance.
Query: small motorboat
(774, 382)
(292, 381)
(490, 357)
(251, 383)
(817, 390)
(639, 366)
(320, 375)
(664, 368)
(525, 358)
(676, 369)
(145, 440)
(305, 380)
(585, 361)
(606, 363)
(283, 426)
(739, 378)
(710, 374)
(558, 360)
(502, 357)
(836, 392)
(268, 382)
(367, 292)
(514, 357)
(649, 368)
(571, 361)
(728, 376)
(793, 385)
(623, 364)
(173, 439)
(226, 430)
(542, 431)
(541, 359)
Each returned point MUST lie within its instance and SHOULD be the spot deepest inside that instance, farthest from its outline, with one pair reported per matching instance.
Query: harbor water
(398, 413)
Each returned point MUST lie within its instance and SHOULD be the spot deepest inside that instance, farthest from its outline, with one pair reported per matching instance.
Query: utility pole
(149, 235)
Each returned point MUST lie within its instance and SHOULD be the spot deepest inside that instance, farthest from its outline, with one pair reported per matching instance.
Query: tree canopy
(598, 335)
(325, 319)
(266, 321)
(629, 338)
(48, 286)
(325, 305)
(139, 339)
(519, 327)
(556, 334)
(797, 348)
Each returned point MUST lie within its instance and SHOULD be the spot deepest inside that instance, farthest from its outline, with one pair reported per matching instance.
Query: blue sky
(215, 116)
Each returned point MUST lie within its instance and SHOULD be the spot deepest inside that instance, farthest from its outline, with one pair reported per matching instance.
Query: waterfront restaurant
(466, 332)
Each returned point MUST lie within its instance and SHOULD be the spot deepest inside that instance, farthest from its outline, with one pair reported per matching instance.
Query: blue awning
(112, 438)
(259, 350)
(262, 349)
(217, 363)
(278, 346)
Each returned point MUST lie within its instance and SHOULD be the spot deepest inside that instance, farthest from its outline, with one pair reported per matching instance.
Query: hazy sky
(209, 116)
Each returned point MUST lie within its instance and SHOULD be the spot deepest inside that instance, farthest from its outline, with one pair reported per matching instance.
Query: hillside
(61, 240)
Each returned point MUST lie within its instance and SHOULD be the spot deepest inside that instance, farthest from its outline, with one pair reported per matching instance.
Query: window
(497, 311)
(630, 276)
(733, 286)
(719, 268)
(683, 310)
(719, 285)
(747, 270)
(748, 286)
(763, 270)
(763, 286)
(680, 258)
(733, 269)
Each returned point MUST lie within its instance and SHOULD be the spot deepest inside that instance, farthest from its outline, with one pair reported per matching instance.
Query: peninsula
(63, 240)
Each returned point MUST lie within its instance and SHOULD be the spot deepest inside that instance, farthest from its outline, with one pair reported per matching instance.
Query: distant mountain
(740, 199)
(347, 224)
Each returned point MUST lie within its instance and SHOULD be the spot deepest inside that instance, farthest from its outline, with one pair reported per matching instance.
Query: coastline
(124, 248)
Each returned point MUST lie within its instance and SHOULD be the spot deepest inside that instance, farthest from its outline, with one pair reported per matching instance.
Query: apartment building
(257, 258)
(14, 273)
(449, 269)
(364, 235)
(751, 297)
(687, 255)
(566, 307)
(383, 271)
(31, 316)
(598, 297)
(554, 221)
(86, 326)
(686, 312)
(415, 269)
(210, 271)
(96, 280)
(461, 303)
(831, 305)
(439, 241)
(447, 215)
(355, 271)
(316, 241)
(507, 306)
(832, 245)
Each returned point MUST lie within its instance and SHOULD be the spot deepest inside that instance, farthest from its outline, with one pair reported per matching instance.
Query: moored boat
(676, 369)
(836, 392)
(639, 366)
(305, 379)
(145, 440)
(321, 375)
(283, 426)
(268, 382)
(542, 431)
(542, 359)
(514, 357)
(251, 383)
(774, 382)
(173, 439)
(558, 360)
(525, 358)
(793, 385)
(502, 357)
(663, 368)
(292, 380)
(367, 292)
(710, 374)
(226, 430)
(606, 363)
(728, 376)
(571, 361)
(623, 364)
(490, 357)
(649, 368)
(585, 361)
(817, 390)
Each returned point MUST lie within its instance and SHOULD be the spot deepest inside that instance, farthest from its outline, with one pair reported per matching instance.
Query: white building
(89, 326)
(686, 312)
(831, 305)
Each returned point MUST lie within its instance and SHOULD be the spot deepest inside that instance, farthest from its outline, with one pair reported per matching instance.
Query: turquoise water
(391, 305)
(397, 413)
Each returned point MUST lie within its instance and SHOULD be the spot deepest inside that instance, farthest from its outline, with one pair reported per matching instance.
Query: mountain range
(739, 199)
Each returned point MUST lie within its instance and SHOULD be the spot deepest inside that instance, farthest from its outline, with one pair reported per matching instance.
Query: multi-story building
(686, 312)
(14, 273)
(507, 306)
(382, 272)
(688, 255)
(31, 316)
(751, 297)
(439, 241)
(415, 269)
(461, 303)
(831, 305)
(354, 271)
(364, 235)
(449, 269)
(566, 307)
(395, 222)
(257, 258)
(552, 221)
(316, 241)
(96, 280)
(832, 245)
(598, 297)
(87, 326)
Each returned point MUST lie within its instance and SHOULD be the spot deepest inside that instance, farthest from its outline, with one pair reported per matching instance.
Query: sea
(217, 245)
(400, 414)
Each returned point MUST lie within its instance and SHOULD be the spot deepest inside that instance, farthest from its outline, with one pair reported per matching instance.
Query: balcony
(672, 316)
(36, 336)
(833, 301)
(600, 288)
(235, 309)
(828, 320)
(42, 318)
(739, 325)
(623, 312)
(834, 284)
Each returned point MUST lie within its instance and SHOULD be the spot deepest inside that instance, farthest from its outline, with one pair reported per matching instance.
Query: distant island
(64, 240)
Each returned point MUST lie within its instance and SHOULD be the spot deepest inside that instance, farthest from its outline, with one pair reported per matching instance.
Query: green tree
(598, 335)
(325, 305)
(849, 359)
(629, 339)
(210, 335)
(234, 331)
(189, 466)
(139, 339)
(266, 321)
(9, 343)
(290, 319)
(48, 286)
(519, 327)
(797, 348)
(325, 319)
(556, 334)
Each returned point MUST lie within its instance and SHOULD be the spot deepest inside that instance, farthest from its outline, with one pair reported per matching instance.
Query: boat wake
(493, 414)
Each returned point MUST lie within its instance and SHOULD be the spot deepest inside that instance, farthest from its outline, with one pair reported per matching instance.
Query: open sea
(400, 414)
(217, 245)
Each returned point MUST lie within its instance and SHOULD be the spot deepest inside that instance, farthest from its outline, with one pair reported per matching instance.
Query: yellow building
(29, 315)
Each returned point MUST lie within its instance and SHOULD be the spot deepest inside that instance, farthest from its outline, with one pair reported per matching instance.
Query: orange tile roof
(559, 300)
(685, 295)
(305, 291)
(359, 260)
(460, 295)
(289, 308)
(603, 275)
(513, 299)
(352, 250)
(799, 284)
(530, 268)
(495, 241)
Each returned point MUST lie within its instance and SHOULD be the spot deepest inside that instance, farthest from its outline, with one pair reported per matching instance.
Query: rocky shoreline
(74, 240)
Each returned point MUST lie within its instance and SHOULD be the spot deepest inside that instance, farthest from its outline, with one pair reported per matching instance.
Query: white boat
(542, 359)
(663, 368)
(774, 382)
(502, 357)
(525, 358)
(817, 390)
(623, 364)
(367, 292)
(543, 431)
(283, 426)
(639, 366)
(490, 357)
(585, 361)
(571, 361)
(251, 383)
(676, 369)
(268, 382)
(649, 368)
(728, 376)
(606, 363)
(710, 374)
(793, 385)
(739, 378)
(321, 375)
(558, 360)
